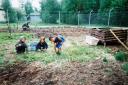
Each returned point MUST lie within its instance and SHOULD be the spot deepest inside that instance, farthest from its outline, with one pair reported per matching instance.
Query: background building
(2, 14)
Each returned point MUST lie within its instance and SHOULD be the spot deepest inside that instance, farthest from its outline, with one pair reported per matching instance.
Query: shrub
(125, 67)
(105, 60)
(120, 56)
(1, 60)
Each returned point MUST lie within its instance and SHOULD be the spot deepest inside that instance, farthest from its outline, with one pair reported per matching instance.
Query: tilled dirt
(67, 31)
(64, 73)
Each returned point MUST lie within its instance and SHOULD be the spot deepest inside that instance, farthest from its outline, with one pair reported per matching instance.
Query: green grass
(33, 25)
(121, 56)
(125, 67)
(44, 25)
(76, 52)
(6, 41)
(5, 37)
(41, 25)
(1, 60)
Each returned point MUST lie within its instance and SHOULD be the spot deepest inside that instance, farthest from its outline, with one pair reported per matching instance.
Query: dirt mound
(66, 73)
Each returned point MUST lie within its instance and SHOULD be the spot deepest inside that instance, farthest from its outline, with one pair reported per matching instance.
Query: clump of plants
(105, 60)
(125, 67)
(1, 58)
(120, 56)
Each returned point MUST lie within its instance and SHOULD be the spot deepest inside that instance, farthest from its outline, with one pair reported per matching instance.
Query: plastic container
(91, 40)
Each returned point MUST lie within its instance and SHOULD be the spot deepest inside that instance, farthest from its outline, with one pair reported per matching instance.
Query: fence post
(7, 19)
(109, 16)
(90, 17)
(17, 21)
(78, 18)
(9, 29)
(59, 18)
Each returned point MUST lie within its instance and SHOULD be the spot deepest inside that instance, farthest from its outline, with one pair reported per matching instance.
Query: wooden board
(106, 36)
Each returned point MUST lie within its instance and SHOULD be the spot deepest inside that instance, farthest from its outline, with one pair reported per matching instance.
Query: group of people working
(57, 40)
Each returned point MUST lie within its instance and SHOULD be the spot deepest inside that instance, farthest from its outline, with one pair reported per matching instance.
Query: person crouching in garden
(42, 45)
(58, 41)
(21, 46)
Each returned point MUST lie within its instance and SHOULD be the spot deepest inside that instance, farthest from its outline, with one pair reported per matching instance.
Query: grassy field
(42, 25)
(73, 52)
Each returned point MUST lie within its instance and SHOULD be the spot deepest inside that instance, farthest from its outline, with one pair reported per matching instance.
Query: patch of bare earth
(67, 73)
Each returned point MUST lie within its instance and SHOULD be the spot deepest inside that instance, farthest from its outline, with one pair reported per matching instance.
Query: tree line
(12, 14)
(69, 9)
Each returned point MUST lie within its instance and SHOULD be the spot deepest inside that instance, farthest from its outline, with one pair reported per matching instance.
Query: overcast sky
(16, 3)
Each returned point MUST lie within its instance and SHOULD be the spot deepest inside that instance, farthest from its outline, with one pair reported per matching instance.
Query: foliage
(4, 37)
(118, 15)
(12, 16)
(20, 15)
(125, 67)
(1, 59)
(70, 8)
(105, 59)
(28, 8)
(49, 11)
(10, 12)
(120, 56)
(6, 5)
(6, 40)
(75, 53)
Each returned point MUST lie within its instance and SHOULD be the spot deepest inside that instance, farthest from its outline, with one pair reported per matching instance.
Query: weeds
(76, 52)
(125, 67)
(1, 60)
(120, 56)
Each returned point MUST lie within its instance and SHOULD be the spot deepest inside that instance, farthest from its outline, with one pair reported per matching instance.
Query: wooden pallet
(104, 35)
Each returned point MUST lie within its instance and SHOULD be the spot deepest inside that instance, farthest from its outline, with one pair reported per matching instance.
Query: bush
(1, 61)
(125, 67)
(120, 56)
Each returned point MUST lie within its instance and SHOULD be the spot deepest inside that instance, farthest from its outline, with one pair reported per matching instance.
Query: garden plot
(65, 73)
(73, 49)
(78, 64)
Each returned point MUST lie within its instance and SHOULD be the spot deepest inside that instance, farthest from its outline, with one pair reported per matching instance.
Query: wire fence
(78, 19)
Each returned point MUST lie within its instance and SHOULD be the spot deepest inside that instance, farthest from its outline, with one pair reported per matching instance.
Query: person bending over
(58, 42)
(42, 45)
(21, 46)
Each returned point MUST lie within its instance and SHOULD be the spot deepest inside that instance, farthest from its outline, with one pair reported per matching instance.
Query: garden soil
(65, 73)
(94, 72)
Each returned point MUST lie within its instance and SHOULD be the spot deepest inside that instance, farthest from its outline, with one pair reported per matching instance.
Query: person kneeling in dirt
(42, 45)
(21, 46)
(26, 26)
(58, 41)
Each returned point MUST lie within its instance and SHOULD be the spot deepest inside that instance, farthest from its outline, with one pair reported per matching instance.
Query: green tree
(6, 5)
(119, 12)
(20, 15)
(28, 8)
(73, 7)
(49, 11)
(70, 8)
(120, 8)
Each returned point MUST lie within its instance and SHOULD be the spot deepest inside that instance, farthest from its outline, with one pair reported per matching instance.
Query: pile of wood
(105, 35)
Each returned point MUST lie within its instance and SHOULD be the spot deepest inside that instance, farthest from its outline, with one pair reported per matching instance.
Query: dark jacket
(21, 47)
(41, 46)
